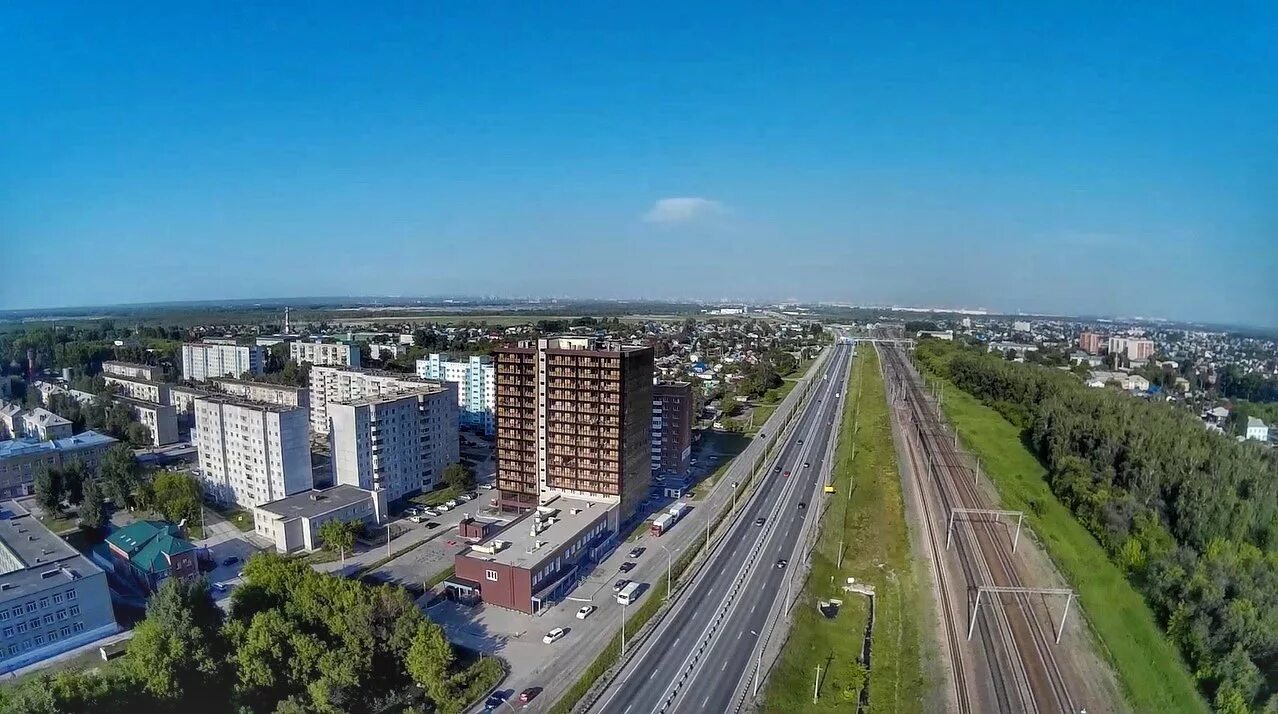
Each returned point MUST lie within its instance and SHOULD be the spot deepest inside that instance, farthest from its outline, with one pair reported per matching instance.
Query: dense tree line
(84, 349)
(293, 641)
(1190, 515)
(1235, 384)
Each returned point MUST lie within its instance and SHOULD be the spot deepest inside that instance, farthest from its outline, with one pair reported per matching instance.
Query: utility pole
(623, 630)
(668, 559)
(816, 685)
(388, 552)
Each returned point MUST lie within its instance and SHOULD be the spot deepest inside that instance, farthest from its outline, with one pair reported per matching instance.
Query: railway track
(1019, 650)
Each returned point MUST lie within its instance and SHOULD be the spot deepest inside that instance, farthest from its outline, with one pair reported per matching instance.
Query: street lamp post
(734, 496)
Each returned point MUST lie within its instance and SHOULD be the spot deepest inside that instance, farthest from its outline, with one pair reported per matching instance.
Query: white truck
(661, 524)
(678, 509)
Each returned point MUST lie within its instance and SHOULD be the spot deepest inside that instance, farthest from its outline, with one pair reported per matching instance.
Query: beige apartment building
(251, 453)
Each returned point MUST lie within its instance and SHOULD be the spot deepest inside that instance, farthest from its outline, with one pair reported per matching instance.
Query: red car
(528, 694)
(787, 474)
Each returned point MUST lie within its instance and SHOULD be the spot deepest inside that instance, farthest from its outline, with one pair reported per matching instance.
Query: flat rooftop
(234, 401)
(141, 403)
(28, 446)
(526, 550)
(128, 378)
(309, 504)
(381, 373)
(43, 559)
(393, 395)
(263, 385)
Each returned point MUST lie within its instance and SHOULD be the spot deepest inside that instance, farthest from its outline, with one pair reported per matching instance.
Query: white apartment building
(161, 419)
(281, 394)
(397, 443)
(1134, 348)
(138, 388)
(476, 380)
(202, 361)
(1257, 430)
(133, 369)
(251, 453)
(326, 353)
(44, 425)
(385, 352)
(331, 384)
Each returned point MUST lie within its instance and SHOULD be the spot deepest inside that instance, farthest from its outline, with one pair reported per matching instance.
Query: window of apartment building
(8, 632)
(491, 575)
(31, 606)
(78, 626)
(4, 615)
(75, 610)
(65, 631)
(48, 619)
(44, 602)
(70, 594)
(13, 649)
(34, 623)
(17, 611)
(57, 598)
(39, 640)
(22, 627)
(62, 614)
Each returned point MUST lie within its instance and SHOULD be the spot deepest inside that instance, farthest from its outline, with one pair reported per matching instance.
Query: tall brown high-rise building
(573, 419)
(671, 427)
(1090, 342)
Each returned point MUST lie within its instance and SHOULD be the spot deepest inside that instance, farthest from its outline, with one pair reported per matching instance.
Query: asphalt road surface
(697, 658)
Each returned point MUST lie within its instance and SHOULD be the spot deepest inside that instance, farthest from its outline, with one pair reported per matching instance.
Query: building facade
(133, 370)
(574, 419)
(1090, 342)
(147, 553)
(671, 428)
(161, 419)
(538, 559)
(384, 352)
(476, 380)
(44, 425)
(202, 361)
(183, 401)
(331, 385)
(138, 388)
(293, 523)
(395, 443)
(52, 598)
(281, 394)
(22, 459)
(326, 353)
(251, 453)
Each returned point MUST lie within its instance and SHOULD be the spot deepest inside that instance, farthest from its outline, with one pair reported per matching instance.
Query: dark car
(495, 700)
(529, 694)
(802, 505)
(620, 585)
(777, 469)
(627, 567)
(806, 464)
(231, 560)
(800, 442)
(636, 552)
(760, 521)
(781, 563)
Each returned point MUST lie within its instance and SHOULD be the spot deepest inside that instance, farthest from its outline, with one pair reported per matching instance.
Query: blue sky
(1080, 158)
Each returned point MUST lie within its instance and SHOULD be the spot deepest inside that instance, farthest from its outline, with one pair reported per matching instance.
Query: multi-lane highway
(701, 655)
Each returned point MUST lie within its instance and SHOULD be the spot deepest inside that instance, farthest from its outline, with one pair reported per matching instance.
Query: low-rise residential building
(671, 428)
(146, 553)
(10, 420)
(251, 452)
(331, 385)
(202, 361)
(138, 388)
(292, 523)
(21, 459)
(1125, 381)
(52, 598)
(46, 390)
(161, 419)
(282, 394)
(397, 443)
(476, 380)
(325, 353)
(44, 425)
(539, 558)
(133, 370)
(385, 352)
(1257, 430)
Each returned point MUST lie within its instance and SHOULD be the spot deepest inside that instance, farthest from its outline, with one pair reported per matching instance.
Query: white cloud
(682, 210)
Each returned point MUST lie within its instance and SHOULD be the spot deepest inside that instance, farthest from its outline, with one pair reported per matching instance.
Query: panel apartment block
(573, 419)
(325, 353)
(476, 380)
(138, 388)
(202, 361)
(671, 428)
(161, 419)
(22, 459)
(396, 443)
(251, 453)
(133, 369)
(331, 385)
(281, 394)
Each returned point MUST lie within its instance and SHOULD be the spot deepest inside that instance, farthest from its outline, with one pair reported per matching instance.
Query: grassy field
(1150, 671)
(871, 525)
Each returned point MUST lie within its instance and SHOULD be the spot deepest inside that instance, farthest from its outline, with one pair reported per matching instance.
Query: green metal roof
(150, 544)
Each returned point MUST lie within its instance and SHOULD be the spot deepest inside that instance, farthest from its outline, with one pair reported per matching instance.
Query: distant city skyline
(1071, 159)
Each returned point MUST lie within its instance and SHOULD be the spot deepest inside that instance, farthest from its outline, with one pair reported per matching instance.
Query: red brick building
(671, 428)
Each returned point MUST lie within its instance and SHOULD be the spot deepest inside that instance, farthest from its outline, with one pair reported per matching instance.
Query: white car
(585, 611)
(430, 512)
(451, 503)
(443, 507)
(416, 519)
(554, 636)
